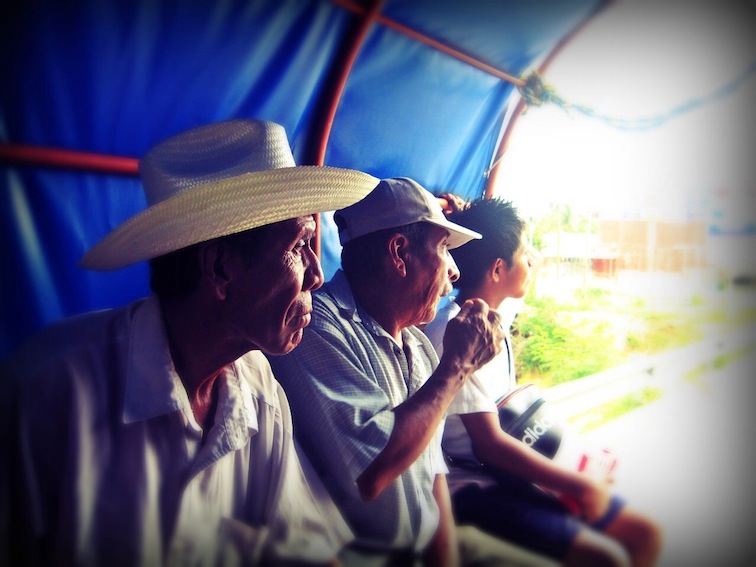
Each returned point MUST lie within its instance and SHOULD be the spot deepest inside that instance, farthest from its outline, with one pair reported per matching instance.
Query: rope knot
(535, 92)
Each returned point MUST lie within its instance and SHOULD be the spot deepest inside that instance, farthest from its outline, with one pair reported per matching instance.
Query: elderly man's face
(271, 302)
(432, 276)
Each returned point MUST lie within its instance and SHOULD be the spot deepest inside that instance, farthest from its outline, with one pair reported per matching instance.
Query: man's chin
(292, 343)
(285, 346)
(295, 339)
(427, 318)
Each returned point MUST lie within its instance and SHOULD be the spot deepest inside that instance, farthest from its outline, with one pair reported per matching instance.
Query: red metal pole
(409, 32)
(367, 21)
(338, 91)
(68, 159)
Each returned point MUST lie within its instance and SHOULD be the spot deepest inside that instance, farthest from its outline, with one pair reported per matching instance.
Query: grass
(557, 342)
(598, 328)
(720, 362)
(551, 349)
(604, 413)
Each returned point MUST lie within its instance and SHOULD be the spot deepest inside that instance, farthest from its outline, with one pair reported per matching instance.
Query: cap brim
(226, 207)
(458, 235)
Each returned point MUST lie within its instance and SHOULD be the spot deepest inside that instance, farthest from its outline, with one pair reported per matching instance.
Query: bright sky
(639, 59)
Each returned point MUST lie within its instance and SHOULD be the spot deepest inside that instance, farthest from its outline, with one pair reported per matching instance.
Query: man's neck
(375, 301)
(198, 348)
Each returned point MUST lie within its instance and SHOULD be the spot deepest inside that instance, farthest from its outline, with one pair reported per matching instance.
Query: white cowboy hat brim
(228, 206)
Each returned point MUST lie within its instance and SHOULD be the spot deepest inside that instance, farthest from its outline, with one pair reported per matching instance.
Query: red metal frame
(409, 32)
(70, 159)
(369, 16)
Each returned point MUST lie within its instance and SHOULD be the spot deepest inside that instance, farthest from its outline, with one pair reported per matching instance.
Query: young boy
(504, 498)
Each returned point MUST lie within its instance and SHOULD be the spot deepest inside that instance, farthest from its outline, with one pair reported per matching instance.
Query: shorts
(525, 515)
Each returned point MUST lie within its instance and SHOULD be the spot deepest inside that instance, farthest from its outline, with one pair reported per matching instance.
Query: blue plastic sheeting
(114, 77)
(420, 111)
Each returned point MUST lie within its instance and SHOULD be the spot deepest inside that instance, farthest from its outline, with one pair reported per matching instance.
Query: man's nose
(313, 273)
(452, 268)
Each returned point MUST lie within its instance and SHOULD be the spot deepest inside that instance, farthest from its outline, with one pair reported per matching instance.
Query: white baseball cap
(396, 202)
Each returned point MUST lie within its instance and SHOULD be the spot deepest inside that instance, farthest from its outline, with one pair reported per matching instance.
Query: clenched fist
(473, 337)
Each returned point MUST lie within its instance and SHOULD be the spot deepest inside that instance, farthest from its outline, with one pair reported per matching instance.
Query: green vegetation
(663, 331)
(602, 414)
(720, 362)
(597, 329)
(550, 351)
(562, 217)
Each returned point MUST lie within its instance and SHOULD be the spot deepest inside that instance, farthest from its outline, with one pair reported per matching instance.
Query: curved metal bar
(68, 159)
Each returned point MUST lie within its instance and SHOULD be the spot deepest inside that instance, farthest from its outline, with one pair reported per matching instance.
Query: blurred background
(640, 189)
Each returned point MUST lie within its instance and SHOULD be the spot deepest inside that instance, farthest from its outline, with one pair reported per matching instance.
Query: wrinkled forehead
(292, 227)
(273, 236)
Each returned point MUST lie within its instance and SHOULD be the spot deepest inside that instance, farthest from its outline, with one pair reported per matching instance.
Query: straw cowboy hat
(220, 179)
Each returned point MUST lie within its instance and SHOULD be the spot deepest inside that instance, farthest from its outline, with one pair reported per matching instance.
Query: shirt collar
(154, 388)
(341, 293)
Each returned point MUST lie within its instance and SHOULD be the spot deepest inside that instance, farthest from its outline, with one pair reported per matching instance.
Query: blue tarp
(114, 77)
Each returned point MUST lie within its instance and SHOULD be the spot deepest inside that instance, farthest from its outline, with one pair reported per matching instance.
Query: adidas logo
(536, 431)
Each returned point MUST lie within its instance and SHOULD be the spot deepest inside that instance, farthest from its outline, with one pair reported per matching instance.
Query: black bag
(523, 414)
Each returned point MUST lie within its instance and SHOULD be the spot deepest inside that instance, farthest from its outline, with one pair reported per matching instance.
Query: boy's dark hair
(501, 226)
(360, 257)
(177, 274)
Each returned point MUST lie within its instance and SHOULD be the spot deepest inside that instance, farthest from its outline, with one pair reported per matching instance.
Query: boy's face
(517, 278)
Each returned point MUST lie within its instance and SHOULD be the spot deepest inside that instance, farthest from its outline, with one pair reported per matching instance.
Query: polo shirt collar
(341, 293)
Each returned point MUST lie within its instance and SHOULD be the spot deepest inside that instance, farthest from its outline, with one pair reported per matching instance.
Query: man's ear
(498, 269)
(398, 252)
(214, 265)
